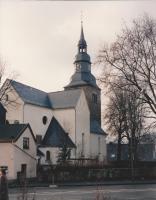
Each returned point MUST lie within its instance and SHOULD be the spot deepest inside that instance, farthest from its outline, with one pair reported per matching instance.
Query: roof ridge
(64, 90)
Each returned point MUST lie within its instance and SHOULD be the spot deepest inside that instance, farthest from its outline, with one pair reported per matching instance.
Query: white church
(37, 124)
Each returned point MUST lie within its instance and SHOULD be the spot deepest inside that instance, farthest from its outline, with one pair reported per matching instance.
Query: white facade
(34, 116)
(98, 147)
(74, 120)
(14, 156)
(53, 156)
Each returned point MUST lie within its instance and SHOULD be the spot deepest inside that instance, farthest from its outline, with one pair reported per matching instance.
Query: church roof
(64, 99)
(61, 99)
(11, 132)
(31, 95)
(95, 128)
(56, 136)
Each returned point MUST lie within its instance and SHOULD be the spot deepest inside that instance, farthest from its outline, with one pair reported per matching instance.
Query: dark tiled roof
(96, 128)
(11, 132)
(64, 99)
(83, 78)
(61, 99)
(56, 136)
(31, 95)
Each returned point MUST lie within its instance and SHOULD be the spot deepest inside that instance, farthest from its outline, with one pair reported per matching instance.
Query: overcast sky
(38, 39)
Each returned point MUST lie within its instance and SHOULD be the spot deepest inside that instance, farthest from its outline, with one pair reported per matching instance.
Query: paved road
(124, 192)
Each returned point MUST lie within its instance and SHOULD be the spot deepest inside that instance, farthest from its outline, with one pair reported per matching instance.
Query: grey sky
(39, 38)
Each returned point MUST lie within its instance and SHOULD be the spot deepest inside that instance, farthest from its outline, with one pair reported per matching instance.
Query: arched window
(48, 155)
(44, 119)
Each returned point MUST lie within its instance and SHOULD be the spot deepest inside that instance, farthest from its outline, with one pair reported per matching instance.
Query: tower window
(78, 67)
(94, 98)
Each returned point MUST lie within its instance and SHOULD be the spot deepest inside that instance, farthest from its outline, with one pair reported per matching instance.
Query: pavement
(88, 183)
(109, 192)
(124, 182)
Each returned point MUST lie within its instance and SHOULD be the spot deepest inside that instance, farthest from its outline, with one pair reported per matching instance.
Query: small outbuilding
(17, 150)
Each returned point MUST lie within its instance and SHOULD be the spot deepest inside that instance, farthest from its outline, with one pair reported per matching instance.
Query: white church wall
(7, 158)
(98, 146)
(66, 118)
(15, 108)
(53, 155)
(34, 116)
(25, 156)
(82, 127)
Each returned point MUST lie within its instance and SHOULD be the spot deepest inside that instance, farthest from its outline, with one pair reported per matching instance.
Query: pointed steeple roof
(82, 75)
(82, 42)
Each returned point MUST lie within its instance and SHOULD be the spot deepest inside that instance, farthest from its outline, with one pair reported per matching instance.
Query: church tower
(84, 79)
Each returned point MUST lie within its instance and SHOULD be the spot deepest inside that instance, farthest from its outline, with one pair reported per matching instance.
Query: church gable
(56, 136)
(31, 95)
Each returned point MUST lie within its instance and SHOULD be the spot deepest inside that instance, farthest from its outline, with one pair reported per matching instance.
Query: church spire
(82, 75)
(82, 45)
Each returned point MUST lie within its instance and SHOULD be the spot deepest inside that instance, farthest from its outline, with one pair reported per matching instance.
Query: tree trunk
(119, 148)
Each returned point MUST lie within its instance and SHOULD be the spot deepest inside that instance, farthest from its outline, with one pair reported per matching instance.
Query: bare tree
(124, 115)
(133, 57)
(6, 88)
(114, 116)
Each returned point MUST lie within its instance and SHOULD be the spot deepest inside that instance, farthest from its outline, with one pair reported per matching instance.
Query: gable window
(94, 98)
(25, 143)
(44, 119)
(48, 155)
